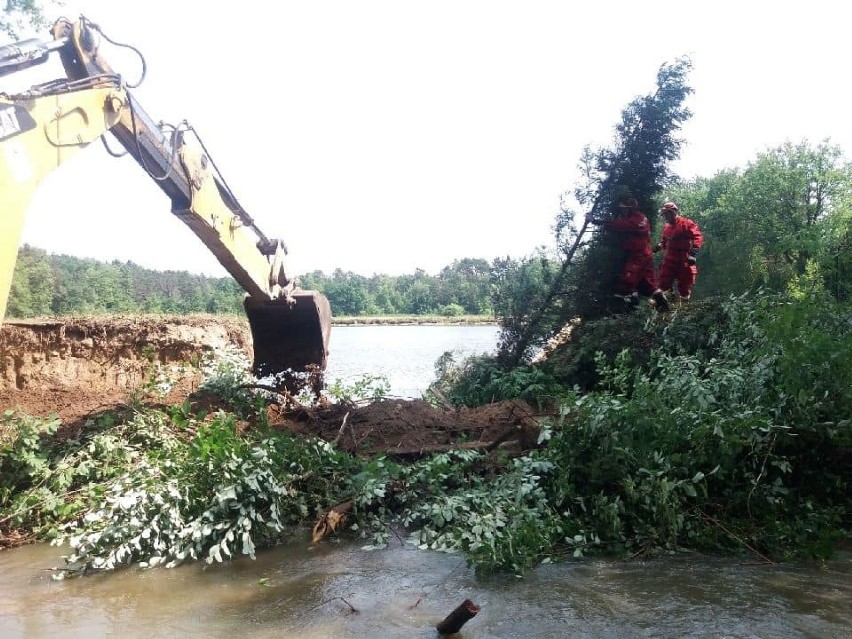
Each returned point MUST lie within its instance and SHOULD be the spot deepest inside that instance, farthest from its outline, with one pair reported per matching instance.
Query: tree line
(780, 223)
(54, 285)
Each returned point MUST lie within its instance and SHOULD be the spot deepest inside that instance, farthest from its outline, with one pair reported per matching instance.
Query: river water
(296, 591)
(404, 355)
(402, 592)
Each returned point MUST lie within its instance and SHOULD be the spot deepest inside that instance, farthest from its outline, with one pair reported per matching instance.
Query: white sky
(381, 136)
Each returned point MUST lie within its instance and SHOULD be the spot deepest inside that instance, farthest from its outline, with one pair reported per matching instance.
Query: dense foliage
(782, 222)
(45, 284)
(740, 446)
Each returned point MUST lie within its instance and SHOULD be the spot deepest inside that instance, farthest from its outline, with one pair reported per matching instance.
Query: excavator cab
(46, 124)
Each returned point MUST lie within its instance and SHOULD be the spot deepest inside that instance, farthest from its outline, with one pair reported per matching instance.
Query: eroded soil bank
(73, 367)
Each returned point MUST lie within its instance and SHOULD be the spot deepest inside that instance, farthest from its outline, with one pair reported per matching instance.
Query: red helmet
(669, 206)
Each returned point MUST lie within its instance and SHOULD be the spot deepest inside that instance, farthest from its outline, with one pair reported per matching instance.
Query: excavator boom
(47, 124)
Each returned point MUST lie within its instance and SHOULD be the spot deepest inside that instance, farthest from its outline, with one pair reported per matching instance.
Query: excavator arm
(44, 126)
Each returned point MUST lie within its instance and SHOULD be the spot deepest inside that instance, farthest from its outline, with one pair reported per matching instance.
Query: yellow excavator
(48, 123)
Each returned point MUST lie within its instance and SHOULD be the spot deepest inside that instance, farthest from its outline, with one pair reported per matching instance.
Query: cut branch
(340, 432)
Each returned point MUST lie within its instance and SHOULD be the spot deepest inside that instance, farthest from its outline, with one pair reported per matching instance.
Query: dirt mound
(407, 429)
(79, 367)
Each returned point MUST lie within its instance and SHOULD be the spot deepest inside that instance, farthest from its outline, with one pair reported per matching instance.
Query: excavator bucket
(289, 336)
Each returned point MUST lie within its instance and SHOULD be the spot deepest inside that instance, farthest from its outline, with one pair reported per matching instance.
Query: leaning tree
(636, 164)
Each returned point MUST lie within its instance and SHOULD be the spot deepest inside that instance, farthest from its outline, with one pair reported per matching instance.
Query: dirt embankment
(73, 367)
(76, 368)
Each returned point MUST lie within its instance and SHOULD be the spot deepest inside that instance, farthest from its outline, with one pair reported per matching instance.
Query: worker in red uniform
(637, 274)
(680, 240)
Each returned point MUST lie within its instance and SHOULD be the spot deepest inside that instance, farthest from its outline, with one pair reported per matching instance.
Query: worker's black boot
(660, 301)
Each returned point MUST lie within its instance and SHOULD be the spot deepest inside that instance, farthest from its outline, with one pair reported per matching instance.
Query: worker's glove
(657, 248)
(693, 253)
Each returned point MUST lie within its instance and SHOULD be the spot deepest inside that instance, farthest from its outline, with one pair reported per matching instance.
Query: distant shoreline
(373, 320)
(415, 320)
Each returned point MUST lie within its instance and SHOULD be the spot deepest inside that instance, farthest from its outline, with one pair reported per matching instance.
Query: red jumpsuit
(677, 240)
(637, 274)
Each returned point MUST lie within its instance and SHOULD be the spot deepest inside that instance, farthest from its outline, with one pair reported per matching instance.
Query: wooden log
(458, 617)
(331, 521)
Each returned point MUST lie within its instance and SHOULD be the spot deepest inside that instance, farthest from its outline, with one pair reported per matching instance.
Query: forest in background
(55, 285)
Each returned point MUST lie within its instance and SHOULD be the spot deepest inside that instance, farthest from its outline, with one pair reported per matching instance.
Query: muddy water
(403, 592)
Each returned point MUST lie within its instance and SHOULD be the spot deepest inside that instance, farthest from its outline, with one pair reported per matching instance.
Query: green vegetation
(61, 285)
(723, 426)
(740, 445)
(17, 15)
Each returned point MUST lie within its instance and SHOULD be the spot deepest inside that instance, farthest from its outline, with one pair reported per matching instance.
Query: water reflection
(404, 592)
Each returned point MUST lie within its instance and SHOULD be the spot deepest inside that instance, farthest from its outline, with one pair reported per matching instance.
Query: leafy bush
(216, 495)
(698, 446)
(451, 310)
(367, 388)
(480, 380)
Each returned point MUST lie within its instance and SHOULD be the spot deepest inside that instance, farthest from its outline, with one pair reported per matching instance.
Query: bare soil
(77, 368)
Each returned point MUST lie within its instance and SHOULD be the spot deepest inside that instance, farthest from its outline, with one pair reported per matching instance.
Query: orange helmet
(669, 206)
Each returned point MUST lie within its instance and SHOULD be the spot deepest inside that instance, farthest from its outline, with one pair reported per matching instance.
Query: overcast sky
(386, 136)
